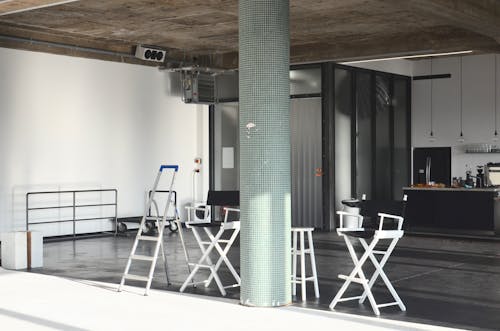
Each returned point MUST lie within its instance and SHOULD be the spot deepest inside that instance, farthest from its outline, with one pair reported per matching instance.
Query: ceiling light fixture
(404, 57)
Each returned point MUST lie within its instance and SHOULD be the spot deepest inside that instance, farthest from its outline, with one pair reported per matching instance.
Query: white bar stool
(302, 251)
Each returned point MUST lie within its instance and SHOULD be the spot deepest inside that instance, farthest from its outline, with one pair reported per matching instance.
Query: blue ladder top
(175, 167)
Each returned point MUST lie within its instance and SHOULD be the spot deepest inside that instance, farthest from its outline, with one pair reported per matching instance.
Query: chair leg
(294, 264)
(347, 282)
(313, 264)
(380, 271)
(358, 263)
(190, 277)
(223, 255)
(204, 257)
(382, 262)
(302, 266)
(183, 244)
(368, 291)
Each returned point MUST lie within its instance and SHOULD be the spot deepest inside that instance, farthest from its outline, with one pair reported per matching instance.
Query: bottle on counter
(469, 182)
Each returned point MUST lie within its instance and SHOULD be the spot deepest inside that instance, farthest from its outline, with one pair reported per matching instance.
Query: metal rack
(73, 206)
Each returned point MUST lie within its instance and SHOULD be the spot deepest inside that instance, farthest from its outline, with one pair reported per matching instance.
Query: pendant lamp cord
(432, 99)
(461, 99)
(496, 91)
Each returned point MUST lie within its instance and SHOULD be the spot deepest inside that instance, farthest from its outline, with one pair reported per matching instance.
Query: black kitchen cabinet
(449, 210)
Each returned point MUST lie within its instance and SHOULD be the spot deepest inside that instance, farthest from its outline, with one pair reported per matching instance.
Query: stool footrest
(231, 286)
(379, 252)
(299, 279)
(353, 279)
(299, 251)
(200, 265)
(395, 303)
(350, 298)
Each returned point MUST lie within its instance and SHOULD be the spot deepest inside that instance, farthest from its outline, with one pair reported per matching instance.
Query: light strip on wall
(405, 57)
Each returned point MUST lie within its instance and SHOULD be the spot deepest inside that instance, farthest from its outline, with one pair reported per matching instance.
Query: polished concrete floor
(446, 282)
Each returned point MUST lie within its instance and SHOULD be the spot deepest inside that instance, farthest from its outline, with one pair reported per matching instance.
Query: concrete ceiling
(207, 30)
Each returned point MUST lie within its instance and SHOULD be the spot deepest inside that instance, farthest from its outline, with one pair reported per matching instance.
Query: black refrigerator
(432, 164)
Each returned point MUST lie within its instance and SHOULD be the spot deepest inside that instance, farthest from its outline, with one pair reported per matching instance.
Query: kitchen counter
(453, 189)
(453, 210)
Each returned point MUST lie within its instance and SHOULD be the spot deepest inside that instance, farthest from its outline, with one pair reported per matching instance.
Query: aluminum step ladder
(160, 223)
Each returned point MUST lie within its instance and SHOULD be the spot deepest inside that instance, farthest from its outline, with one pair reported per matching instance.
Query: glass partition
(343, 114)
(364, 132)
(401, 151)
(305, 81)
(382, 174)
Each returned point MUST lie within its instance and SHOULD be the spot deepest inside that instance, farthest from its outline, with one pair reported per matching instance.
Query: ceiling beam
(364, 47)
(480, 16)
(9, 7)
(77, 45)
(437, 40)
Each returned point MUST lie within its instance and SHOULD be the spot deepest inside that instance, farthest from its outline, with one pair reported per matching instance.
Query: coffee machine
(492, 174)
(480, 177)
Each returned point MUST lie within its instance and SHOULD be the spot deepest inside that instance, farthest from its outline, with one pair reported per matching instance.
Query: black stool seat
(205, 225)
(213, 224)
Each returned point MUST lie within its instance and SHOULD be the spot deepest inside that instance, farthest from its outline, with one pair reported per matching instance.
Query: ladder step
(148, 238)
(135, 277)
(142, 257)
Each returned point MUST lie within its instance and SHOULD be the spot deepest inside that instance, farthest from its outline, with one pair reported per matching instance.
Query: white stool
(302, 251)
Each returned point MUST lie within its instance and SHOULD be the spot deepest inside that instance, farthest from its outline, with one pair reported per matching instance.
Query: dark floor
(447, 282)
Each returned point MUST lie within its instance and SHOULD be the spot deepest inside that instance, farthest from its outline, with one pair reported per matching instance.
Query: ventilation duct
(198, 87)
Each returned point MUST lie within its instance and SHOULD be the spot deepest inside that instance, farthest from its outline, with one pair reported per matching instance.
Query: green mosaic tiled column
(264, 96)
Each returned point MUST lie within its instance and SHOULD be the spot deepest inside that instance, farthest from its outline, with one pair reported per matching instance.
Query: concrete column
(264, 44)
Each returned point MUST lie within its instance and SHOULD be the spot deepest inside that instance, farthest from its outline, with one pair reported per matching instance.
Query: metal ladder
(160, 222)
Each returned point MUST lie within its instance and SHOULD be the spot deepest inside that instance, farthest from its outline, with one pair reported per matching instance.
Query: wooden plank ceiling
(206, 31)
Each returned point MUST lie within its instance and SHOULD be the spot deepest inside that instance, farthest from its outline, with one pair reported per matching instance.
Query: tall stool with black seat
(302, 251)
(390, 215)
(227, 200)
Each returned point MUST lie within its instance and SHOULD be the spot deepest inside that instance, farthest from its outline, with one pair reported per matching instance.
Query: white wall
(478, 107)
(73, 123)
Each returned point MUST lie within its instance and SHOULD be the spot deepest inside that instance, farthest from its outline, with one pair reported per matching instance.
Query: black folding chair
(378, 220)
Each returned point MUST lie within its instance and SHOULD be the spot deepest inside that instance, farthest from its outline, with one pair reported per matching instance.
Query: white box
(15, 250)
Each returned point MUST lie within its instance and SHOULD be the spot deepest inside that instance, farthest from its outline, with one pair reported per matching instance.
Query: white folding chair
(357, 275)
(215, 198)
